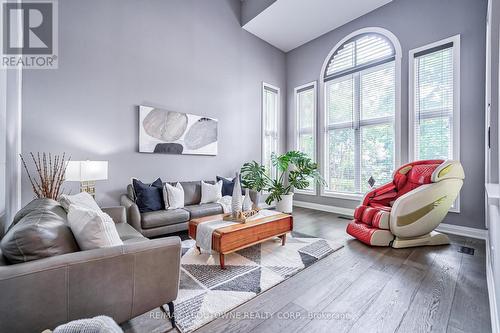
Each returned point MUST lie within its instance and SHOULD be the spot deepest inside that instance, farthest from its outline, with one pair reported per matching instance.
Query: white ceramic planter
(285, 205)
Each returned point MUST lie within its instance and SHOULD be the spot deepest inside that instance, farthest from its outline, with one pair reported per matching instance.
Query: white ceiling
(288, 24)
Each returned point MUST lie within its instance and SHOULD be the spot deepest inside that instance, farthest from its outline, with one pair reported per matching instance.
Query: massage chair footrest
(369, 235)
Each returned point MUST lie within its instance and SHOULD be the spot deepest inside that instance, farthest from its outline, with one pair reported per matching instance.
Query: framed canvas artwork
(169, 132)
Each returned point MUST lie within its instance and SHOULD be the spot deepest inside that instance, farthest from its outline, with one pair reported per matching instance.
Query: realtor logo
(29, 34)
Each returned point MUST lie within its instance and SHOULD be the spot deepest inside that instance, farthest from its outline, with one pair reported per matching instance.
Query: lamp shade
(83, 171)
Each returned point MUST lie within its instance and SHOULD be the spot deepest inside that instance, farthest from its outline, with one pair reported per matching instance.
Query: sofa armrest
(118, 213)
(133, 214)
(121, 282)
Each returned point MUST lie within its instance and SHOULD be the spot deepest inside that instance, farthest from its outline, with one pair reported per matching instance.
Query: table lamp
(86, 172)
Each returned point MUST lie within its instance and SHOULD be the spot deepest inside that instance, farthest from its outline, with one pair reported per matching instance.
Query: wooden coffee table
(242, 235)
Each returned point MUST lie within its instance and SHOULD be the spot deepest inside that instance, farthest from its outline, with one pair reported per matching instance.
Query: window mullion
(357, 132)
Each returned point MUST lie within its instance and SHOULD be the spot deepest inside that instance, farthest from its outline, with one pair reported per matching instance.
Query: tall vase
(236, 200)
(247, 202)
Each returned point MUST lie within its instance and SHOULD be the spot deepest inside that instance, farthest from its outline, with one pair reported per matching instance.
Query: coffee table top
(254, 221)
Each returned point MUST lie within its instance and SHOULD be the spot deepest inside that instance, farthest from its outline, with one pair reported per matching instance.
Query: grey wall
(417, 23)
(183, 55)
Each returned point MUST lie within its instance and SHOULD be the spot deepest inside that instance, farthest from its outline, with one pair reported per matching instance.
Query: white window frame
(311, 85)
(456, 102)
(322, 108)
(267, 86)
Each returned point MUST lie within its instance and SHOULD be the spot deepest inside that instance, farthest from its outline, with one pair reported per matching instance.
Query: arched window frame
(321, 149)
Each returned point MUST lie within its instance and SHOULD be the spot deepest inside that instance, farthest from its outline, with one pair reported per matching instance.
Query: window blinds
(306, 118)
(270, 119)
(365, 50)
(433, 103)
(360, 134)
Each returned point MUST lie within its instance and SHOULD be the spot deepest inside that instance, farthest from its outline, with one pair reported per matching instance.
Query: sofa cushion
(204, 209)
(93, 229)
(40, 205)
(228, 185)
(81, 200)
(163, 217)
(39, 234)
(149, 197)
(192, 192)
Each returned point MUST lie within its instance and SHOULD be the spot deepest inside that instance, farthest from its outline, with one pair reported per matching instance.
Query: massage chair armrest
(374, 192)
(420, 211)
(133, 214)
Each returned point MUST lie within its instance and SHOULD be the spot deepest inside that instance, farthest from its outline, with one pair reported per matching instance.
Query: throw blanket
(99, 324)
(205, 230)
(204, 233)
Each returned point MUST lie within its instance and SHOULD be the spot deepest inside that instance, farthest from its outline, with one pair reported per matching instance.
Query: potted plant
(294, 170)
(254, 177)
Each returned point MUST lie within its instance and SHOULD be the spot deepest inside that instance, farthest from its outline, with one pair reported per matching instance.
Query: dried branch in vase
(49, 176)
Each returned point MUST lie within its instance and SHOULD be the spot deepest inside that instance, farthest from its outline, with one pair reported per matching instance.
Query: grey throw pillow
(39, 234)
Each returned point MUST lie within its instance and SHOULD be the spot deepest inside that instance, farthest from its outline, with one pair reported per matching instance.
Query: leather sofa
(405, 211)
(164, 222)
(121, 281)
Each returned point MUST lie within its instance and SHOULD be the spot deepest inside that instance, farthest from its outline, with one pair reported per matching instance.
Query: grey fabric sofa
(164, 222)
(121, 282)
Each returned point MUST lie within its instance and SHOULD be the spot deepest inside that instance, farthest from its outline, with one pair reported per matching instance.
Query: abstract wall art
(169, 132)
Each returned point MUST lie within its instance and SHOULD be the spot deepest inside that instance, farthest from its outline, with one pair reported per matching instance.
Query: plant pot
(285, 205)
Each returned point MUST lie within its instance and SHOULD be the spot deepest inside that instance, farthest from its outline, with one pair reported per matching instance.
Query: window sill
(305, 192)
(345, 196)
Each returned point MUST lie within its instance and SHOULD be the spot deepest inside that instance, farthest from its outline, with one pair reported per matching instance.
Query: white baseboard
(324, 208)
(443, 227)
(495, 321)
(463, 231)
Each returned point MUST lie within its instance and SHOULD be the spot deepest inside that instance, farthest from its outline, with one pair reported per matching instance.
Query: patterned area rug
(206, 292)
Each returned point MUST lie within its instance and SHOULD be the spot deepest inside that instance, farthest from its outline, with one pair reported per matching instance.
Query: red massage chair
(404, 212)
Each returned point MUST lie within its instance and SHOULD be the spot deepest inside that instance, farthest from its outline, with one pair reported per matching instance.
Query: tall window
(435, 102)
(270, 128)
(434, 109)
(360, 114)
(305, 119)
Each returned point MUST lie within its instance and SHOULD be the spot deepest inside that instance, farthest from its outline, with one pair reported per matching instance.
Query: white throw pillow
(211, 193)
(92, 229)
(82, 200)
(175, 196)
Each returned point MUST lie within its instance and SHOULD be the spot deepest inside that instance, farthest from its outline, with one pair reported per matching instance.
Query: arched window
(360, 112)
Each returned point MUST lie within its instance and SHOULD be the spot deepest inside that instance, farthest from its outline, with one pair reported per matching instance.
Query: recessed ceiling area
(287, 24)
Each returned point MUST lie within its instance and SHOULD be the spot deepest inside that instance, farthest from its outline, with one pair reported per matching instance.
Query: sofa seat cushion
(204, 210)
(39, 234)
(127, 232)
(369, 235)
(162, 218)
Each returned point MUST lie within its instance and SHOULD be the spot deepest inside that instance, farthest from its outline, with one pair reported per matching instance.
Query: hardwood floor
(364, 289)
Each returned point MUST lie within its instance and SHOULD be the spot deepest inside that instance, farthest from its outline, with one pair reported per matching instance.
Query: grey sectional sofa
(164, 222)
(121, 281)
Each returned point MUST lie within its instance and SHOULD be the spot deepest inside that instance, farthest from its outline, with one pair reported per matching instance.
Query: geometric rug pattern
(206, 292)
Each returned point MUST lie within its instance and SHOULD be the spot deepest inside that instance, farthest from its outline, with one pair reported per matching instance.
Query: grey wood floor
(364, 289)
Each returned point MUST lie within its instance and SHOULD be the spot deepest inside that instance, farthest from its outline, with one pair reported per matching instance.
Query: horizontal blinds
(270, 127)
(360, 129)
(306, 115)
(433, 103)
(364, 50)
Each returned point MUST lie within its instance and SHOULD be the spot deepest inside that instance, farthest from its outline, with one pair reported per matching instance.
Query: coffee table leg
(221, 259)
(283, 240)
